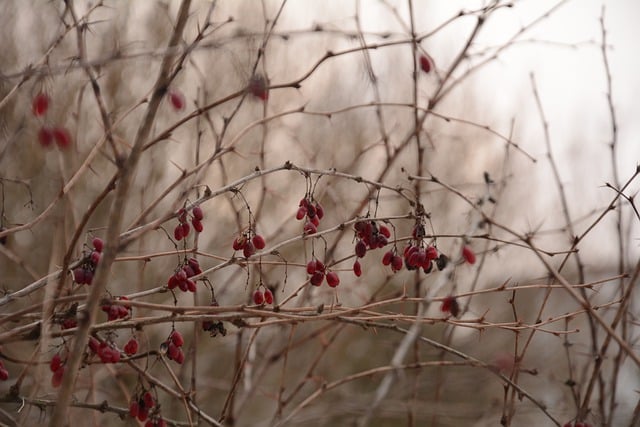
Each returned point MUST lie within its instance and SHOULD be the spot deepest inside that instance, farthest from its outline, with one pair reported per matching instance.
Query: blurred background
(513, 118)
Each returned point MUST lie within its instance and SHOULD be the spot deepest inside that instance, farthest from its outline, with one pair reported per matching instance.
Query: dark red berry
(197, 225)
(258, 297)
(95, 257)
(56, 379)
(268, 296)
(332, 279)
(316, 278)
(249, 249)
(311, 266)
(361, 249)
(177, 232)
(384, 231)
(133, 408)
(79, 276)
(239, 243)
(45, 136)
(258, 242)
(309, 228)
(357, 268)
(387, 257)
(185, 229)
(131, 347)
(396, 263)
(177, 99)
(468, 255)
(40, 104)
(177, 339)
(62, 137)
(258, 87)
(319, 211)
(302, 212)
(425, 65)
(450, 305)
(148, 400)
(197, 213)
(56, 362)
(98, 244)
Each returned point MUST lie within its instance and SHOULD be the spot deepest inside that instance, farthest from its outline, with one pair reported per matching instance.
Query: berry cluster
(173, 345)
(182, 277)
(450, 305)
(131, 347)
(263, 297)
(4, 374)
(47, 135)
(249, 242)
(313, 212)
(141, 404)
(318, 272)
(83, 274)
(56, 365)
(370, 236)
(107, 352)
(183, 228)
(115, 311)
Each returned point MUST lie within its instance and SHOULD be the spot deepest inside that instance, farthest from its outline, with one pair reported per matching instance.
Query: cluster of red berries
(182, 277)
(69, 322)
(450, 305)
(47, 135)
(249, 242)
(176, 98)
(131, 347)
(174, 345)
(419, 257)
(262, 297)
(318, 272)
(370, 236)
(141, 404)
(107, 352)
(182, 229)
(4, 374)
(313, 212)
(258, 87)
(115, 311)
(83, 274)
(56, 365)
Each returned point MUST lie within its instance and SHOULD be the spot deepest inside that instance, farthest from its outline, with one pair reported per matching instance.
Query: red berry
(425, 65)
(197, 225)
(40, 104)
(311, 267)
(316, 279)
(302, 212)
(258, 87)
(387, 257)
(177, 99)
(56, 379)
(148, 400)
(268, 296)
(95, 257)
(432, 253)
(173, 282)
(45, 136)
(315, 221)
(320, 266)
(258, 242)
(177, 339)
(396, 263)
(133, 408)
(185, 229)
(143, 413)
(239, 243)
(131, 347)
(4, 374)
(69, 322)
(79, 275)
(361, 249)
(450, 304)
(94, 344)
(88, 276)
(384, 231)
(258, 297)
(179, 357)
(56, 362)
(191, 285)
(332, 279)
(98, 244)
(197, 213)
(177, 232)
(468, 255)
(309, 228)
(248, 249)
(319, 211)
(62, 137)
(357, 268)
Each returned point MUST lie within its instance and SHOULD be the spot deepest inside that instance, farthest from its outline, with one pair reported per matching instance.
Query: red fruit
(248, 249)
(4, 374)
(177, 99)
(179, 357)
(258, 87)
(425, 65)
(143, 413)
(357, 268)
(320, 266)
(197, 213)
(319, 211)
(361, 249)
(133, 408)
(88, 276)
(195, 265)
(268, 296)
(45, 136)
(396, 263)
(309, 228)
(131, 347)
(94, 344)
(191, 285)
(40, 104)
(304, 202)
(95, 257)
(387, 257)
(468, 255)
(185, 229)
(450, 304)
(177, 339)
(332, 279)
(56, 379)
(62, 137)
(384, 231)
(239, 243)
(177, 232)
(315, 221)
(258, 297)
(79, 275)
(98, 244)
(197, 225)
(302, 212)
(148, 400)
(258, 242)
(56, 362)
(311, 267)
(69, 322)
(316, 279)
(432, 253)
(173, 282)
(311, 211)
